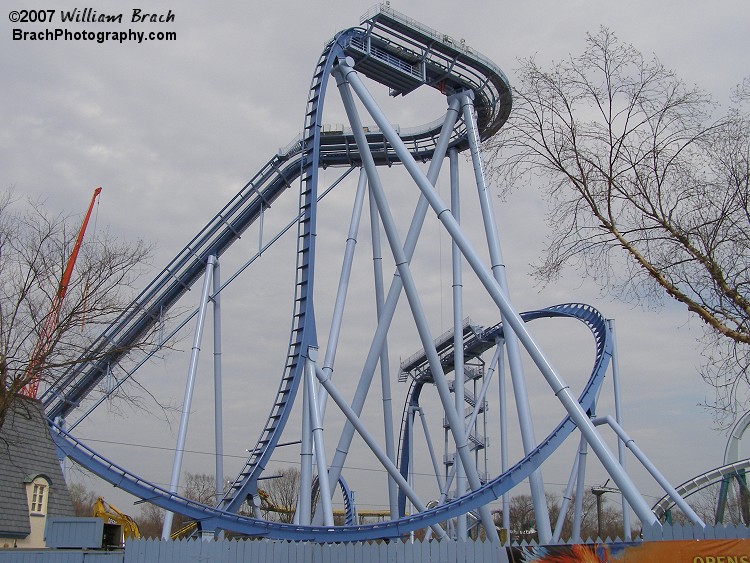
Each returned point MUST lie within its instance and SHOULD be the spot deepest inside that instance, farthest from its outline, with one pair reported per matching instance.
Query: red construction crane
(35, 366)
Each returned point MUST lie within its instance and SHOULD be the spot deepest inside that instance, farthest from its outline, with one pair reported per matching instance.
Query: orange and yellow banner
(682, 551)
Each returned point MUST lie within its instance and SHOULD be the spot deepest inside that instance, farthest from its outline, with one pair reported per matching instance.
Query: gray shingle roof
(26, 450)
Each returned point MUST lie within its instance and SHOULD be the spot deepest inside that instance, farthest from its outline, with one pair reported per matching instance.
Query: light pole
(598, 491)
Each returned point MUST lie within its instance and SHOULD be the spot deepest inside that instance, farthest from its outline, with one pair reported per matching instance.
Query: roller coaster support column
(385, 371)
(732, 455)
(189, 387)
(431, 450)
(618, 417)
(389, 466)
(304, 502)
(651, 468)
(218, 401)
(580, 489)
(337, 316)
(559, 387)
(536, 484)
(346, 75)
(567, 496)
(721, 504)
(317, 433)
(479, 400)
(458, 335)
(343, 287)
(503, 408)
(389, 308)
(410, 473)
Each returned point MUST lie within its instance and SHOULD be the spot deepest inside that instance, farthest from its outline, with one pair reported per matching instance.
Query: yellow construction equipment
(110, 514)
(186, 531)
(267, 504)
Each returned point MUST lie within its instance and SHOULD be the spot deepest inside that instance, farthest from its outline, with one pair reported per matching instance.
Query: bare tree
(280, 495)
(200, 487)
(151, 521)
(34, 249)
(83, 499)
(523, 525)
(521, 514)
(649, 193)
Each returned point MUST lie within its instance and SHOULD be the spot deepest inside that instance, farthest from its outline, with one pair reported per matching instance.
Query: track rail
(214, 517)
(460, 69)
(699, 482)
(403, 55)
(487, 339)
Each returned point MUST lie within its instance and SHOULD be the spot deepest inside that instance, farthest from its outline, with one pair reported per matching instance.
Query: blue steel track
(403, 55)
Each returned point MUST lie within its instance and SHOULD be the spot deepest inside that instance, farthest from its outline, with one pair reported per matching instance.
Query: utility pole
(598, 492)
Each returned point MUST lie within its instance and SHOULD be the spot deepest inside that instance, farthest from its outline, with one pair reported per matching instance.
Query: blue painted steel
(377, 50)
(486, 339)
(350, 514)
(146, 311)
(212, 517)
(303, 329)
(466, 72)
(474, 73)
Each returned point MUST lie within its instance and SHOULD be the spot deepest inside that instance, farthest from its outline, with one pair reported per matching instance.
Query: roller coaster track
(733, 467)
(482, 340)
(402, 54)
(378, 49)
(700, 482)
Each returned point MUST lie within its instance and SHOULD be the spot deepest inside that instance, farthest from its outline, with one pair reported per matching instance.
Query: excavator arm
(110, 514)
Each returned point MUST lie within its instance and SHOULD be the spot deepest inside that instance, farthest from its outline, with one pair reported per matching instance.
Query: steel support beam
(189, 387)
(559, 387)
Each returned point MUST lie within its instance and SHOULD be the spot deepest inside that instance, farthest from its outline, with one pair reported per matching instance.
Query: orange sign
(682, 551)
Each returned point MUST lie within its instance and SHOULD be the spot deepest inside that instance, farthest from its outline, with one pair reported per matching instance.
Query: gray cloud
(172, 130)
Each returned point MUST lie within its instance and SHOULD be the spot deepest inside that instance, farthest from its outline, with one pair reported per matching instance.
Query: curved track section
(402, 55)
(350, 513)
(732, 450)
(732, 455)
(733, 467)
(383, 49)
(213, 517)
(700, 482)
(487, 339)
(380, 58)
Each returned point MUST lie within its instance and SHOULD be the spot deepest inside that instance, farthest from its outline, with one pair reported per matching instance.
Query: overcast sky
(172, 129)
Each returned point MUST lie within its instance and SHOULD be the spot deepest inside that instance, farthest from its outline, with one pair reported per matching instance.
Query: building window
(37, 498)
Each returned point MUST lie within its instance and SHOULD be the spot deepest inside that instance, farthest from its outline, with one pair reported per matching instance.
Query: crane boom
(35, 366)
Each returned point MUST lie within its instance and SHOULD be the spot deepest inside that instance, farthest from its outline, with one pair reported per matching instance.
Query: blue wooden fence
(240, 551)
